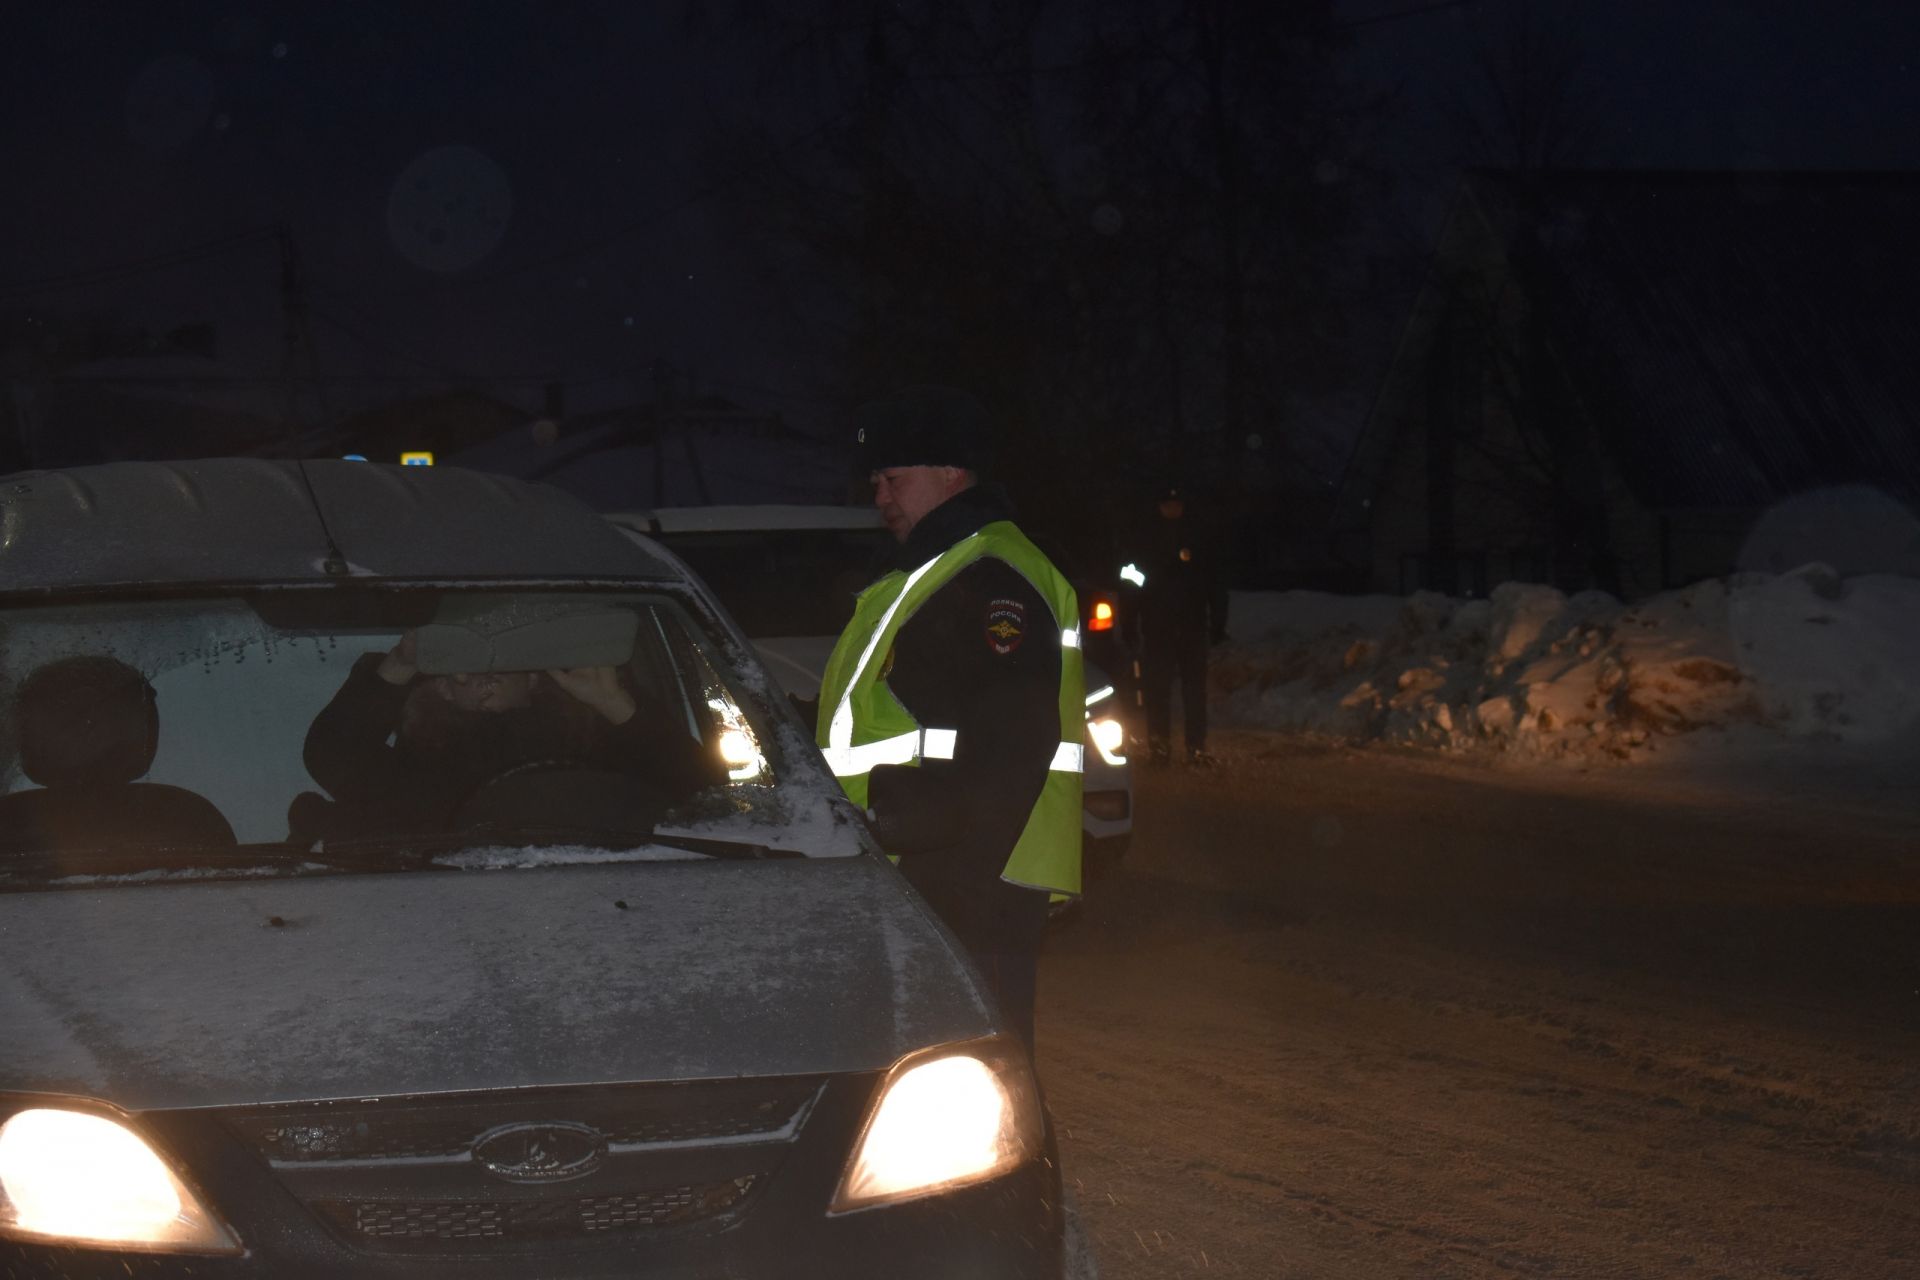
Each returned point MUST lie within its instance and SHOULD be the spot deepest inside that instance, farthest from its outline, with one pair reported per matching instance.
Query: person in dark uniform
(1181, 611)
(944, 710)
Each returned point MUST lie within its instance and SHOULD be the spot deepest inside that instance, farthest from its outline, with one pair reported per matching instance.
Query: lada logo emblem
(540, 1152)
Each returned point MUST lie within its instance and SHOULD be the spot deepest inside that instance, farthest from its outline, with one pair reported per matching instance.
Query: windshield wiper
(378, 853)
(715, 847)
(52, 866)
(611, 839)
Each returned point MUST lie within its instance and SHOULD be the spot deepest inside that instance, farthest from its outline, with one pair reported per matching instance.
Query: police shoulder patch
(1006, 625)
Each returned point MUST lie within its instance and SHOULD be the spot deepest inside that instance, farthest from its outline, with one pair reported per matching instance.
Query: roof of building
(262, 521)
(1741, 336)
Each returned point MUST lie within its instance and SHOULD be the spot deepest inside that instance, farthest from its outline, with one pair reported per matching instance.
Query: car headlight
(1108, 736)
(944, 1120)
(78, 1178)
(738, 746)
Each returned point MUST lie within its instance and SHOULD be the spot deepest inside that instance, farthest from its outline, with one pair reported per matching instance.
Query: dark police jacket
(982, 656)
(1185, 596)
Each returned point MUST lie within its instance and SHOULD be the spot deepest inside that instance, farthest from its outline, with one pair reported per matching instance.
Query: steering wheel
(526, 768)
(562, 791)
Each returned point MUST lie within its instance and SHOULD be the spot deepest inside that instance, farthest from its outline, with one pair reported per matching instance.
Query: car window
(785, 582)
(317, 721)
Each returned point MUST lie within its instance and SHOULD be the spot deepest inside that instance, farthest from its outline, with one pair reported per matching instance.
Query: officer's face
(905, 494)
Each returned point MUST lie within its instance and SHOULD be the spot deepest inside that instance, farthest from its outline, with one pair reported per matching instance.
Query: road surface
(1356, 1014)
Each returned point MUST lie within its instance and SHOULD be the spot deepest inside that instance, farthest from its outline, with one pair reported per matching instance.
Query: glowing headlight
(84, 1179)
(738, 747)
(945, 1122)
(1108, 736)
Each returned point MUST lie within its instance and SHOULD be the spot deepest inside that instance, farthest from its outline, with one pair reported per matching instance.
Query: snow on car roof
(230, 520)
(747, 516)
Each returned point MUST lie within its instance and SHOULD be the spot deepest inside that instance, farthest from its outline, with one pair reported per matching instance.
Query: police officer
(1182, 609)
(952, 708)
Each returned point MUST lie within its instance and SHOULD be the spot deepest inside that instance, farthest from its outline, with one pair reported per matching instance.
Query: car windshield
(785, 582)
(305, 731)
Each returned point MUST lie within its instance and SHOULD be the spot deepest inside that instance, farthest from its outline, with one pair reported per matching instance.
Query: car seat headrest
(87, 721)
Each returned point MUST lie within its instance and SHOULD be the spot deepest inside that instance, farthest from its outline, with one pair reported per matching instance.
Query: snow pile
(1806, 654)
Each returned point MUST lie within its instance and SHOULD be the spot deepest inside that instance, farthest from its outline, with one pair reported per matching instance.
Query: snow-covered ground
(1808, 661)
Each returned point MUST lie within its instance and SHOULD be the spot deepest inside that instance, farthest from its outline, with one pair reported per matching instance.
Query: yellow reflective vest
(862, 724)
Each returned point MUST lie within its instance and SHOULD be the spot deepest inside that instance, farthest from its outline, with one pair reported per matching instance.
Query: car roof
(745, 517)
(258, 520)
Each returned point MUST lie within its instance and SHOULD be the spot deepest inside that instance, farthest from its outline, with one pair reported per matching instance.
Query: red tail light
(1101, 619)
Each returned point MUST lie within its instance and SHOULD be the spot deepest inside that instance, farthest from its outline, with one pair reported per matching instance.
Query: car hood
(230, 993)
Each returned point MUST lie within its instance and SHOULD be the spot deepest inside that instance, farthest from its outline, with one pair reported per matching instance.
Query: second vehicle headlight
(945, 1120)
(1108, 735)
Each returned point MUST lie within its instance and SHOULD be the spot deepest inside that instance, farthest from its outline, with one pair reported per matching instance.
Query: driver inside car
(402, 751)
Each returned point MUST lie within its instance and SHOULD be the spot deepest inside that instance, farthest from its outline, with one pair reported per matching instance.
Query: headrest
(86, 722)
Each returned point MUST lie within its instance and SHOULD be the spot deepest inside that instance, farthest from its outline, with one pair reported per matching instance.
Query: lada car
(405, 873)
(789, 573)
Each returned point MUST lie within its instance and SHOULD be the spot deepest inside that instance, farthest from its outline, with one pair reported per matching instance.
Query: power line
(134, 267)
(1129, 56)
(1396, 15)
(447, 372)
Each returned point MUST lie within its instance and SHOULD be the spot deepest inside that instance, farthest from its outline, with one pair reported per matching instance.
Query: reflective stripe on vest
(857, 703)
(840, 732)
(904, 748)
(849, 761)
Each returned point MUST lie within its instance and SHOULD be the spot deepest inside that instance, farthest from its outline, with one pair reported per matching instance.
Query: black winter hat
(923, 426)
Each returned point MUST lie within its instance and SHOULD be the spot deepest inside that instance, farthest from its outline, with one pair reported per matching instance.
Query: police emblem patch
(1006, 626)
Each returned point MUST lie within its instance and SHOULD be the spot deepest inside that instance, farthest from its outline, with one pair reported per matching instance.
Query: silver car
(301, 977)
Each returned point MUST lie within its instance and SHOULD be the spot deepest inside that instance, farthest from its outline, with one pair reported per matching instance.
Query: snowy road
(1462, 1023)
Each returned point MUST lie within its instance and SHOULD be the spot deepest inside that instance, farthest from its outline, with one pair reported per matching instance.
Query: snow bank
(1807, 654)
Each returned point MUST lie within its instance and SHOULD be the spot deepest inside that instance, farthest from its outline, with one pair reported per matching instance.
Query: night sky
(575, 235)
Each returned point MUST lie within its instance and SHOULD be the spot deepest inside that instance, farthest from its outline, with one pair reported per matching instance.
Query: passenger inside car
(88, 728)
(419, 737)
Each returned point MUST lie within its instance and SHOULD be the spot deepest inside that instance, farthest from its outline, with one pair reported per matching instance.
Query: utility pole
(663, 416)
(297, 335)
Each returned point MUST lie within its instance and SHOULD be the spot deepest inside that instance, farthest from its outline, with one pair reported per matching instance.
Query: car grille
(407, 1226)
(397, 1131)
(409, 1175)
